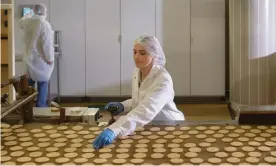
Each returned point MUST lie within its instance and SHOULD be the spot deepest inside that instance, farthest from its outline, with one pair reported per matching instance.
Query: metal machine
(54, 84)
(24, 106)
(92, 116)
(59, 114)
(111, 110)
(24, 103)
(24, 99)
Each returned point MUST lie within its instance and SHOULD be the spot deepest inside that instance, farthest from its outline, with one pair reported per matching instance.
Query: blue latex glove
(115, 104)
(105, 138)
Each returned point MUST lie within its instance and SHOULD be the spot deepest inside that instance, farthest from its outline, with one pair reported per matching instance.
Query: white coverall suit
(39, 47)
(38, 55)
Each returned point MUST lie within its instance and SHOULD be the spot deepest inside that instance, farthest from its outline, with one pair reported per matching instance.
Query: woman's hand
(115, 104)
(105, 138)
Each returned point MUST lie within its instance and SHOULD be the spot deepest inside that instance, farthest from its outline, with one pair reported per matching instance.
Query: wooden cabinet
(4, 22)
(4, 51)
(4, 36)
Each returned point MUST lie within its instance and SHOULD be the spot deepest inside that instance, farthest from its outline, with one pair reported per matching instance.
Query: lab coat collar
(39, 16)
(154, 70)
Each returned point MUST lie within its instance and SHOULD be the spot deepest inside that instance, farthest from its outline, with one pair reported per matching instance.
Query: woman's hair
(152, 45)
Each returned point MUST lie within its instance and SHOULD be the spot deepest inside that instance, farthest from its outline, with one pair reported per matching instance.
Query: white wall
(207, 47)
(90, 43)
(137, 18)
(69, 17)
(103, 48)
(173, 28)
(192, 33)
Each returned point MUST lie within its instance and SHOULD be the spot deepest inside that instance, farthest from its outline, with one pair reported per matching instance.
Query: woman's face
(141, 57)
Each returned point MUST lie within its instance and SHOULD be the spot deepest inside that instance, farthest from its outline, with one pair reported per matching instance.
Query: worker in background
(152, 94)
(38, 53)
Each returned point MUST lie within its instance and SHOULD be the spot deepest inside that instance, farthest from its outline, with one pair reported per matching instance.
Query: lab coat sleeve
(23, 21)
(47, 39)
(147, 109)
(127, 105)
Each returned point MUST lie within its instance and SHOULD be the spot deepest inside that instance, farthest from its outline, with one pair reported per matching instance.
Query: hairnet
(40, 9)
(152, 45)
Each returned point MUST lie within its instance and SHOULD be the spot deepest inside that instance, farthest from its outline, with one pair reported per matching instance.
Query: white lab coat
(39, 47)
(151, 102)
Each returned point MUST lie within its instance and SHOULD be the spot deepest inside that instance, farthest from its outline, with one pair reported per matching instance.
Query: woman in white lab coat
(152, 94)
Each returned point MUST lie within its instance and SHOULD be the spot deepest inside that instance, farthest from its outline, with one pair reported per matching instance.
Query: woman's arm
(127, 105)
(147, 109)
